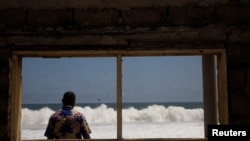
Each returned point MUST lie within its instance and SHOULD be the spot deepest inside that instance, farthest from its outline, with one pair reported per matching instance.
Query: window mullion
(119, 97)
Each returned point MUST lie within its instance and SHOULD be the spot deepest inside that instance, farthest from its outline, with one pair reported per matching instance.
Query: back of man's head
(68, 98)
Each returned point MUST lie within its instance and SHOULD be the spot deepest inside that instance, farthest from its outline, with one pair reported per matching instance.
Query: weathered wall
(4, 91)
(130, 24)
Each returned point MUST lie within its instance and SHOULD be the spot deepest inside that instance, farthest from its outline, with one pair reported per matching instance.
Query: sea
(139, 120)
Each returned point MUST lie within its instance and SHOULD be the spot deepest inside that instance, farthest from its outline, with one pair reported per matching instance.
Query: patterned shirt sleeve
(49, 130)
(84, 127)
(85, 130)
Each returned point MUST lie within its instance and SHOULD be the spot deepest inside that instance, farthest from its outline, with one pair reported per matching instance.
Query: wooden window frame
(219, 113)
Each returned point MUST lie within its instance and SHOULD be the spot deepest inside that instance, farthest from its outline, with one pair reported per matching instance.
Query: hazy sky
(93, 79)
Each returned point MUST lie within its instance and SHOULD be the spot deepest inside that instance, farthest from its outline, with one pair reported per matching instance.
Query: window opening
(163, 97)
(92, 79)
(221, 96)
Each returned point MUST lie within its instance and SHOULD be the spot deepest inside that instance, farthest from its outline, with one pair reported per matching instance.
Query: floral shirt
(67, 123)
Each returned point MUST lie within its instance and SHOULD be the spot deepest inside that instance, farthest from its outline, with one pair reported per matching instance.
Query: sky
(93, 79)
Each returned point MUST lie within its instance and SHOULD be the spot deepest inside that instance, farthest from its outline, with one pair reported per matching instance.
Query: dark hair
(69, 98)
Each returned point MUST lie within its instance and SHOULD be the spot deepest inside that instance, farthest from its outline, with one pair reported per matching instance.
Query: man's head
(69, 99)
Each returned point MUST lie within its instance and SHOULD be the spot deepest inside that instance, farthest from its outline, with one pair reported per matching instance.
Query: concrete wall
(130, 24)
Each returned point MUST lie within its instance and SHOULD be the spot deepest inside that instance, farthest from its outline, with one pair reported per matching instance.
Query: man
(67, 123)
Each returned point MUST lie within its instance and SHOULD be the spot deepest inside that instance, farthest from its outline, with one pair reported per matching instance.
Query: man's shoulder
(55, 114)
(77, 113)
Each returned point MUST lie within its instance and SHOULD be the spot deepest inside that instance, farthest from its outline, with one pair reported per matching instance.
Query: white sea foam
(155, 121)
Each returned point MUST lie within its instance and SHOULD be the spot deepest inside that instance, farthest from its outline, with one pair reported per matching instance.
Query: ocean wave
(106, 115)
